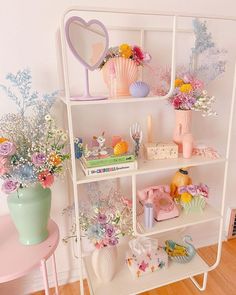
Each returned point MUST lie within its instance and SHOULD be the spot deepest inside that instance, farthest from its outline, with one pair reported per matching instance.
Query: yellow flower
(54, 159)
(3, 139)
(125, 50)
(186, 88)
(178, 82)
(186, 197)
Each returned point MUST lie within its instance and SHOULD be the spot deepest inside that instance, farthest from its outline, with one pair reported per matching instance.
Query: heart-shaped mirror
(88, 42)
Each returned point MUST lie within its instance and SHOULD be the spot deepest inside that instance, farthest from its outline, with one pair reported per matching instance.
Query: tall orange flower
(54, 159)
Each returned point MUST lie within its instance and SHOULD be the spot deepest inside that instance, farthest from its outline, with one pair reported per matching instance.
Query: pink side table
(17, 260)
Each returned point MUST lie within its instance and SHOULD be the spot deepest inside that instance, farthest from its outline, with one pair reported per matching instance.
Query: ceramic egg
(121, 148)
(139, 89)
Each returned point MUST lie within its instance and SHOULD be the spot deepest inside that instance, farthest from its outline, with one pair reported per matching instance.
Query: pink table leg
(54, 269)
(45, 276)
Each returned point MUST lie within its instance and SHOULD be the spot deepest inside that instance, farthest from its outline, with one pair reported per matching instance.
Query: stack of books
(97, 165)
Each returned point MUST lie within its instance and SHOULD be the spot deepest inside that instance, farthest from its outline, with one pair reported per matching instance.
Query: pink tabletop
(16, 260)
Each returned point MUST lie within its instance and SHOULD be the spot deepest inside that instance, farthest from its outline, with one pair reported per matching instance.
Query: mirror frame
(86, 24)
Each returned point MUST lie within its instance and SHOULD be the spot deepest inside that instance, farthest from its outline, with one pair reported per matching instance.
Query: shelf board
(124, 284)
(124, 99)
(209, 214)
(145, 166)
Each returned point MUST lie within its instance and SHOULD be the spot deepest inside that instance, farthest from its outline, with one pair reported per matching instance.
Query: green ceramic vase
(30, 210)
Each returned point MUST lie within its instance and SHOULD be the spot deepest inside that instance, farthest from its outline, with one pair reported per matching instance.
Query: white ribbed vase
(126, 72)
(104, 263)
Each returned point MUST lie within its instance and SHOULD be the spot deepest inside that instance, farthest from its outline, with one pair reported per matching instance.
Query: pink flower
(176, 102)
(102, 218)
(143, 266)
(3, 169)
(146, 57)
(46, 178)
(127, 202)
(7, 148)
(38, 159)
(203, 190)
(9, 186)
(99, 245)
(138, 53)
(197, 84)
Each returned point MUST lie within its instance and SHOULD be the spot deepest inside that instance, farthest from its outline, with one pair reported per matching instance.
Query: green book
(110, 160)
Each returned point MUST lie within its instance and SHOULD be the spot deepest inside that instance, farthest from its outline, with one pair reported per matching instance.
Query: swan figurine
(180, 253)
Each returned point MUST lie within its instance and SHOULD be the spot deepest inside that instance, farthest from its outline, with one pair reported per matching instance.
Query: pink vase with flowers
(120, 68)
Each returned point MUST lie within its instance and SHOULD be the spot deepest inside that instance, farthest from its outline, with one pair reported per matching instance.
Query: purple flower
(38, 159)
(182, 189)
(7, 148)
(9, 186)
(110, 230)
(102, 218)
(192, 189)
(113, 241)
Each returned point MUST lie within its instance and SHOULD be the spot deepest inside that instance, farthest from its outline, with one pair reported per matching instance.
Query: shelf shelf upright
(198, 264)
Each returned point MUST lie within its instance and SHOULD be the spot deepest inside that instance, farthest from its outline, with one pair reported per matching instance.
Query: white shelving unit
(123, 283)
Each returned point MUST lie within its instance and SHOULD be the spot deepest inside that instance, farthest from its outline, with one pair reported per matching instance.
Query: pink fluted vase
(183, 119)
(125, 72)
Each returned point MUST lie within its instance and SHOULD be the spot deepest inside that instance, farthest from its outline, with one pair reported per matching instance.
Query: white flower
(48, 118)
(64, 137)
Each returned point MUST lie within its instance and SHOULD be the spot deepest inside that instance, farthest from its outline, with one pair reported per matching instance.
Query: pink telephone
(163, 204)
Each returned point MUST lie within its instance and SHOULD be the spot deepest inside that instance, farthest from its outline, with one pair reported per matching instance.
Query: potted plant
(32, 154)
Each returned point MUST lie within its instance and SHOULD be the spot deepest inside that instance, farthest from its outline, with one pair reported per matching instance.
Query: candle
(149, 129)
(148, 215)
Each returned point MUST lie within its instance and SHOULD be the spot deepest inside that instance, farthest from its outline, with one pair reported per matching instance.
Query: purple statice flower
(182, 189)
(113, 241)
(110, 231)
(102, 218)
(38, 159)
(192, 189)
(9, 186)
(7, 148)
(203, 190)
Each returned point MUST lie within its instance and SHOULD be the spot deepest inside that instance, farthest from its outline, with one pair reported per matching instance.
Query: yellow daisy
(186, 88)
(186, 197)
(125, 50)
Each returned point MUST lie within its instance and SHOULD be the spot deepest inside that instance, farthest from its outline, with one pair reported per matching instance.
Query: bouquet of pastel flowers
(32, 148)
(189, 94)
(106, 219)
(134, 53)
